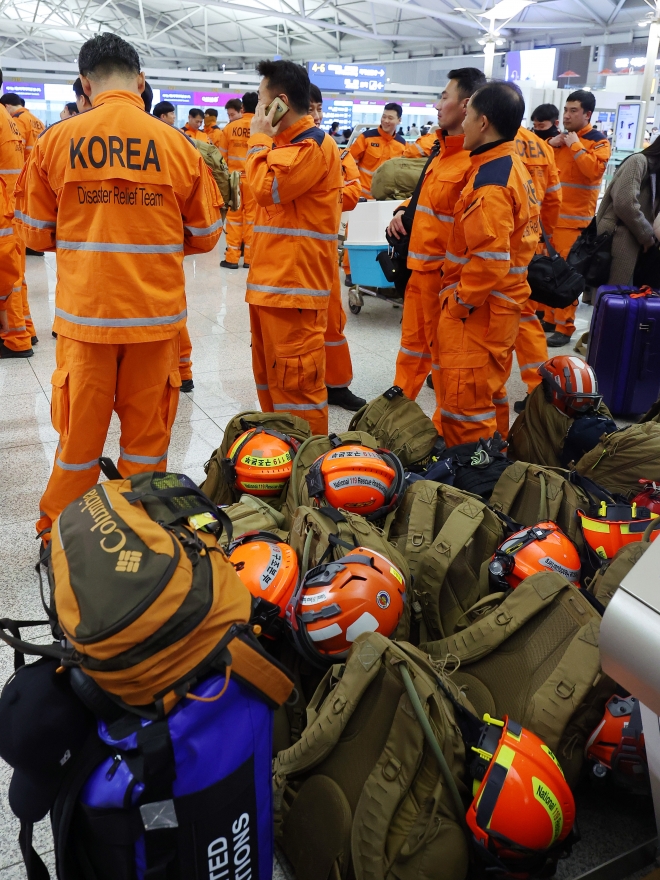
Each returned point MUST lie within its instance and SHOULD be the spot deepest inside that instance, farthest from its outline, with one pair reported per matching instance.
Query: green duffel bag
(624, 458)
(397, 178)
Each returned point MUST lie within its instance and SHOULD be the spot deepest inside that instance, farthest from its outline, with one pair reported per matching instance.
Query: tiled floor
(218, 323)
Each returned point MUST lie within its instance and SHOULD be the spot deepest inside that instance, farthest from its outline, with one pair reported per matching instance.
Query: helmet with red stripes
(570, 384)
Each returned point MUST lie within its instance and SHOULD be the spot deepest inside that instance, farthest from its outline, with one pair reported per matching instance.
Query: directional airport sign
(337, 77)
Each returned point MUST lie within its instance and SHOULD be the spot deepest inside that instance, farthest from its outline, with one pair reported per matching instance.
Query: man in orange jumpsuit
(294, 172)
(444, 179)
(338, 364)
(233, 144)
(211, 128)
(235, 109)
(422, 146)
(82, 101)
(493, 238)
(10, 255)
(15, 338)
(121, 198)
(193, 128)
(531, 347)
(582, 155)
(166, 112)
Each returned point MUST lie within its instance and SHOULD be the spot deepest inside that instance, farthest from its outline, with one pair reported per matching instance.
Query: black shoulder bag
(552, 280)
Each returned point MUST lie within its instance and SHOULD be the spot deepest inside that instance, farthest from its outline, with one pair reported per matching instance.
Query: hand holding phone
(266, 119)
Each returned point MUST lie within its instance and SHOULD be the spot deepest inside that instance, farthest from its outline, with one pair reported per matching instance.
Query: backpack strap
(461, 525)
(421, 518)
(34, 867)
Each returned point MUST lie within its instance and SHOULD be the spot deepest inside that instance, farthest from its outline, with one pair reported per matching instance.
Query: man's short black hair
(398, 109)
(545, 113)
(163, 107)
(72, 107)
(196, 112)
(107, 54)
(586, 99)
(468, 80)
(78, 88)
(315, 95)
(250, 101)
(147, 96)
(503, 105)
(287, 78)
(11, 99)
(210, 111)
(234, 104)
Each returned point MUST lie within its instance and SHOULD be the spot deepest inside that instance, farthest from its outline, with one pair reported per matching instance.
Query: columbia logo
(129, 560)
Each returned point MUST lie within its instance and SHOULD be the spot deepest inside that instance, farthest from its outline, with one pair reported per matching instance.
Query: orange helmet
(338, 601)
(259, 461)
(649, 496)
(523, 809)
(614, 526)
(617, 745)
(570, 384)
(543, 547)
(361, 480)
(269, 569)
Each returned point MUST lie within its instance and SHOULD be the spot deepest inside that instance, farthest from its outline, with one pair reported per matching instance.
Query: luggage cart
(365, 240)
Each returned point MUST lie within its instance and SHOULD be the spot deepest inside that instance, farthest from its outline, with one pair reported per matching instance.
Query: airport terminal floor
(224, 386)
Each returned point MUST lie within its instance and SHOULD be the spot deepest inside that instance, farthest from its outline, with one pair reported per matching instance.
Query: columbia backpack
(624, 458)
(535, 658)
(216, 485)
(362, 793)
(400, 425)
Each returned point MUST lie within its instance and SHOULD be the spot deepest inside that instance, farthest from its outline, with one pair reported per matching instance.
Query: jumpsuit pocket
(299, 371)
(59, 404)
(476, 226)
(464, 362)
(172, 398)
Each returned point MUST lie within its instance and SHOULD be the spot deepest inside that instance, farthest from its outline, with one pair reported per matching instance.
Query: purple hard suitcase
(624, 348)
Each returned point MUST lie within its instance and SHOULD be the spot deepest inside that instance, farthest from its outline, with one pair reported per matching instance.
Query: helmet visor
(583, 402)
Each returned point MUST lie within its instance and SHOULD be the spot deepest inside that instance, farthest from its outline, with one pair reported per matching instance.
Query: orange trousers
(418, 353)
(18, 335)
(288, 362)
(531, 347)
(239, 226)
(476, 355)
(338, 364)
(29, 326)
(563, 240)
(140, 382)
(185, 354)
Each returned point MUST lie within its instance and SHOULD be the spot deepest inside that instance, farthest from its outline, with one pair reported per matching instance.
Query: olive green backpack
(374, 789)
(446, 535)
(535, 658)
(400, 425)
(624, 458)
(228, 181)
(397, 178)
(251, 514)
(215, 486)
(607, 579)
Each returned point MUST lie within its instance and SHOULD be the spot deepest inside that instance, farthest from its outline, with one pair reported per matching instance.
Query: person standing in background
(211, 128)
(234, 108)
(82, 101)
(166, 112)
(545, 121)
(193, 128)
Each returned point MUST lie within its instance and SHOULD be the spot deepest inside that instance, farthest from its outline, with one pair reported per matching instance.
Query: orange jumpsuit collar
(505, 149)
(581, 133)
(451, 143)
(293, 131)
(122, 96)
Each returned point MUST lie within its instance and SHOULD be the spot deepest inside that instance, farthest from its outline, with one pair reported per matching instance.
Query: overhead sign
(197, 99)
(177, 97)
(535, 66)
(35, 91)
(337, 111)
(337, 77)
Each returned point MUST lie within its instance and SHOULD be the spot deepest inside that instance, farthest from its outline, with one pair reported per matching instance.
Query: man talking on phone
(294, 172)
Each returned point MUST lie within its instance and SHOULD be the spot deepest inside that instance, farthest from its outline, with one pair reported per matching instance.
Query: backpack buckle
(417, 540)
(502, 618)
(392, 769)
(394, 391)
(564, 690)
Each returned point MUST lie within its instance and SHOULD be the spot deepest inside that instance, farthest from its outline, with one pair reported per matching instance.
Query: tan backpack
(228, 181)
(397, 178)
(251, 514)
(535, 658)
(446, 535)
(374, 788)
(624, 458)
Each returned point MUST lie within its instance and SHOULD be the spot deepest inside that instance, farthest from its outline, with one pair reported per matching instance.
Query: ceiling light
(460, 9)
(620, 63)
(638, 61)
(481, 42)
(506, 8)
(500, 42)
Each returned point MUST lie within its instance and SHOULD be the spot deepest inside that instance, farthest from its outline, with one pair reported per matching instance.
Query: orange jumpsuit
(17, 336)
(10, 259)
(213, 134)
(493, 239)
(581, 168)
(338, 364)
(422, 146)
(297, 182)
(197, 134)
(120, 198)
(432, 225)
(233, 144)
(531, 345)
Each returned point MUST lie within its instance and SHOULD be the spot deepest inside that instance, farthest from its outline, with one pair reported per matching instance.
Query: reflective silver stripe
(493, 255)
(500, 400)
(335, 344)
(346, 183)
(31, 221)
(527, 318)
(275, 191)
(262, 387)
(300, 233)
(426, 256)
(417, 354)
(8, 231)
(184, 360)
(461, 303)
(366, 170)
(530, 366)
(88, 465)
(251, 150)
(436, 366)
(10, 170)
(112, 247)
(17, 329)
(481, 418)
(30, 148)
(421, 151)
(234, 223)
(517, 270)
(444, 217)
(207, 230)
(119, 322)
(290, 291)
(141, 459)
(299, 407)
(575, 217)
(6, 297)
(449, 287)
(455, 259)
(579, 153)
(552, 189)
(237, 158)
(578, 186)
(367, 192)
(498, 295)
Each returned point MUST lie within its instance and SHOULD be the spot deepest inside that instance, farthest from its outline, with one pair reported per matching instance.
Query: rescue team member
(233, 144)
(193, 128)
(234, 108)
(531, 347)
(31, 127)
(545, 120)
(69, 110)
(422, 146)
(166, 112)
(82, 101)
(582, 154)
(493, 238)
(294, 172)
(10, 255)
(211, 128)
(121, 198)
(338, 364)
(444, 179)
